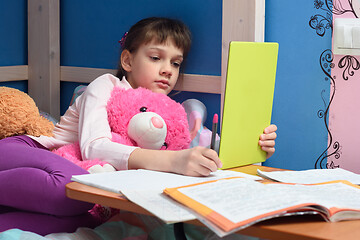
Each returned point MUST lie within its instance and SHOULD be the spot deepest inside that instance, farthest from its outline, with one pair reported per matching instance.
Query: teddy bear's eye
(143, 109)
(165, 145)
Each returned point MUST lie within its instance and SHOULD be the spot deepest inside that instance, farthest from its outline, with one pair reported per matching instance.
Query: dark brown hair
(159, 30)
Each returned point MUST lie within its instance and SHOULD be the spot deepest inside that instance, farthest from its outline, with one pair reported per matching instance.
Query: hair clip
(122, 40)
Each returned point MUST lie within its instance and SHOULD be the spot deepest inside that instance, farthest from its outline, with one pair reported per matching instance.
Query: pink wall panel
(344, 114)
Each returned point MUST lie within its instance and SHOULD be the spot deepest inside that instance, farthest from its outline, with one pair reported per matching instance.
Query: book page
(240, 199)
(311, 176)
(146, 179)
(160, 205)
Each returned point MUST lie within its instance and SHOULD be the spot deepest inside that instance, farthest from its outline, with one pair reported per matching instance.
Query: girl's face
(154, 66)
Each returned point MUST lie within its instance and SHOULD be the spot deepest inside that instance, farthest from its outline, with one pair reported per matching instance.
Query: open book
(229, 205)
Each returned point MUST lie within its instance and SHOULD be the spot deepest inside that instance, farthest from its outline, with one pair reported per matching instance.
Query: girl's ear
(126, 60)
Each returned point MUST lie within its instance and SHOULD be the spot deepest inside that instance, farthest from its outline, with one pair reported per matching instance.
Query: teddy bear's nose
(157, 122)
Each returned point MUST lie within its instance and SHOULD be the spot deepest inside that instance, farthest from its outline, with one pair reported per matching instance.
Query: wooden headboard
(44, 72)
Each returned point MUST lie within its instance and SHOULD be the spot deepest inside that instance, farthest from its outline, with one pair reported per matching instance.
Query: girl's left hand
(267, 140)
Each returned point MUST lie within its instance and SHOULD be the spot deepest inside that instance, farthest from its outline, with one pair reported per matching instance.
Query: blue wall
(13, 37)
(300, 82)
(90, 30)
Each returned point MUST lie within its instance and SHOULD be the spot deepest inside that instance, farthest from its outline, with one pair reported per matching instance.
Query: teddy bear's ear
(40, 127)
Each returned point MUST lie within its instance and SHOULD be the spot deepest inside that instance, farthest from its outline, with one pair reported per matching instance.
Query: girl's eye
(155, 58)
(143, 109)
(176, 64)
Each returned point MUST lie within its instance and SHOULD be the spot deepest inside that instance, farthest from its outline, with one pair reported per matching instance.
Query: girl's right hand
(197, 161)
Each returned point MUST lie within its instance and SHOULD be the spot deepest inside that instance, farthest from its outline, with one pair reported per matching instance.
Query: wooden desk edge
(82, 192)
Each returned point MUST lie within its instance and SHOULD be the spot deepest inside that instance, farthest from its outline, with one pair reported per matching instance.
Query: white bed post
(243, 20)
(44, 54)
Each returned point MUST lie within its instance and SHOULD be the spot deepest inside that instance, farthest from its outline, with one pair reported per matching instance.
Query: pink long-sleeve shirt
(86, 121)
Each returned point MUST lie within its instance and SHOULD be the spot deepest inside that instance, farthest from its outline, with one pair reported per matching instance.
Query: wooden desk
(287, 228)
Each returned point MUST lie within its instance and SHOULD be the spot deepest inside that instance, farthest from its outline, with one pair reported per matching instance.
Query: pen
(214, 130)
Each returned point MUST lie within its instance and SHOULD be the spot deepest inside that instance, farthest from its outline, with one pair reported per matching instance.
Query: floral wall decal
(322, 22)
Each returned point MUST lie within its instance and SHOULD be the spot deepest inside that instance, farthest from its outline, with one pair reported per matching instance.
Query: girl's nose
(166, 70)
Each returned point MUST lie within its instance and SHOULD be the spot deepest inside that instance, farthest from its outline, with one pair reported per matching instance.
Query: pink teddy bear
(138, 117)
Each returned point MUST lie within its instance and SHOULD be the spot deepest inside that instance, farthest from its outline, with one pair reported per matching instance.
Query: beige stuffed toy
(19, 115)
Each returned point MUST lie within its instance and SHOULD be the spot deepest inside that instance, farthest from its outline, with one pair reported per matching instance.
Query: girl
(153, 51)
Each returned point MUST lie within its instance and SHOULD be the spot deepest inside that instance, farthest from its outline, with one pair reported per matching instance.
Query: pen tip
(216, 118)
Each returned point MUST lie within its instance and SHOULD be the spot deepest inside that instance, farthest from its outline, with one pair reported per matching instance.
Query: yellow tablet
(248, 102)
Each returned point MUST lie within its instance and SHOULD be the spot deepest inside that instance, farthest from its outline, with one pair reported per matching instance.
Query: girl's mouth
(163, 84)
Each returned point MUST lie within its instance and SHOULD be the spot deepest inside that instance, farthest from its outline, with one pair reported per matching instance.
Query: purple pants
(32, 189)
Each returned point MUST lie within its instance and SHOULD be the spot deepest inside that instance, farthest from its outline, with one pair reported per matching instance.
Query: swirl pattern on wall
(326, 64)
(350, 63)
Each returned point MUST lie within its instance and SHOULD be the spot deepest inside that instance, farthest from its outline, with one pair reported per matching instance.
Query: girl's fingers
(204, 170)
(268, 143)
(211, 155)
(271, 128)
(269, 136)
(270, 151)
(267, 140)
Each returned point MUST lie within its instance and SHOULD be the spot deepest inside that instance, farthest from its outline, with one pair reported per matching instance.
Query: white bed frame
(243, 20)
